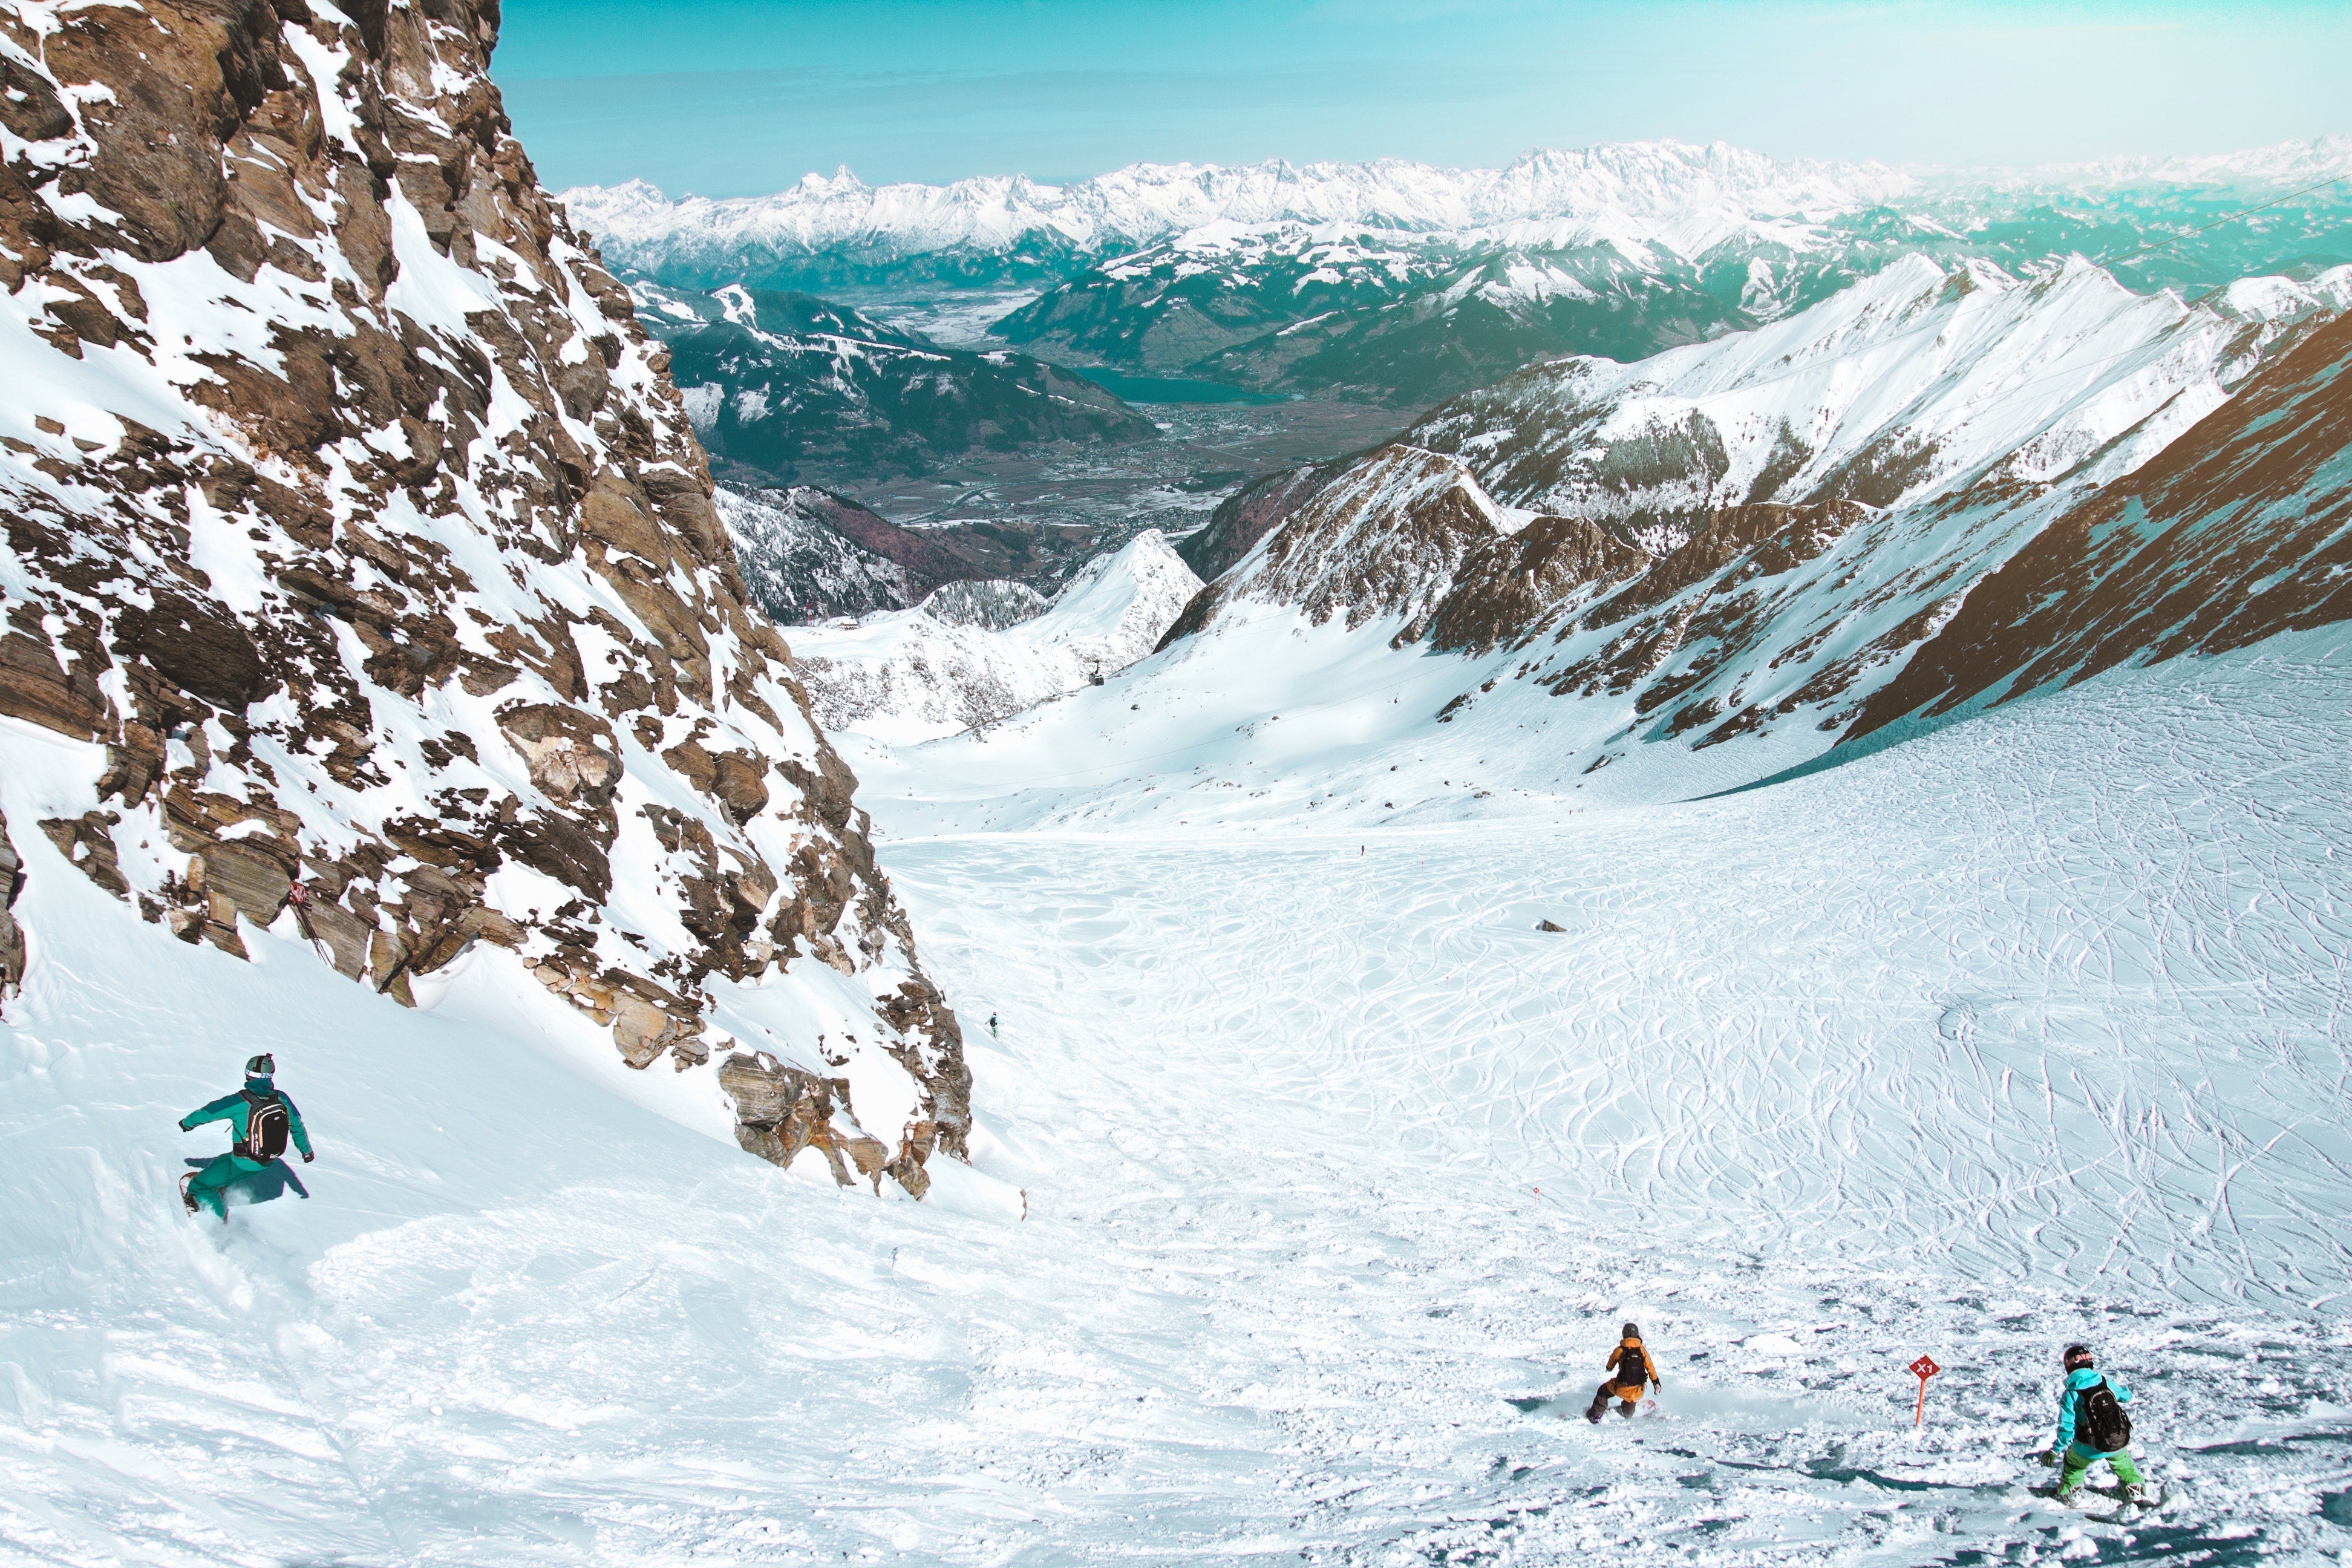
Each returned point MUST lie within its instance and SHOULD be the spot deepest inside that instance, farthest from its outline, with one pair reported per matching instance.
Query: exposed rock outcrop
(1249, 515)
(356, 520)
(2237, 531)
(1384, 537)
(12, 935)
(799, 567)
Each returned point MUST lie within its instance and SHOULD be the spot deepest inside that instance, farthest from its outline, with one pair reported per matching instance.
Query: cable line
(2226, 217)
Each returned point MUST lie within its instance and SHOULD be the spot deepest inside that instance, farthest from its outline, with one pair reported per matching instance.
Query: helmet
(1632, 1331)
(262, 1066)
(2077, 1356)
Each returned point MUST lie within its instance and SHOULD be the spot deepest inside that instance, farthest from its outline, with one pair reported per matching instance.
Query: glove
(308, 1156)
(2049, 1457)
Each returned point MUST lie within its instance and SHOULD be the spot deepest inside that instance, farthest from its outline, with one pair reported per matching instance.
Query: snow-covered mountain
(1399, 283)
(800, 564)
(1746, 541)
(363, 585)
(1691, 198)
(975, 652)
(2238, 531)
(2250, 169)
(1700, 195)
(1912, 383)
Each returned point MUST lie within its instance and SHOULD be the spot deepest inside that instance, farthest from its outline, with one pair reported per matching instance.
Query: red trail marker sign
(1922, 1369)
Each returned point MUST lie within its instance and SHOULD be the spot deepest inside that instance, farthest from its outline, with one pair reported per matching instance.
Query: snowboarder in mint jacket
(264, 1119)
(2092, 1427)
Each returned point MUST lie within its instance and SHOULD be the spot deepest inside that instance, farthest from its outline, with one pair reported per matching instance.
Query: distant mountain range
(1402, 283)
(857, 233)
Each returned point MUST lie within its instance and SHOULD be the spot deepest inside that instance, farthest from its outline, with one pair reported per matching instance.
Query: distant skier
(2092, 1427)
(264, 1117)
(992, 1026)
(1630, 1368)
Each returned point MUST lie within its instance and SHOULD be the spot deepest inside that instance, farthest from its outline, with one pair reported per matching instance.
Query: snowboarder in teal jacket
(264, 1117)
(2081, 1415)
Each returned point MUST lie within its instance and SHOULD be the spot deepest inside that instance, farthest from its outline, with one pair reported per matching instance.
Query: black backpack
(267, 1128)
(2100, 1423)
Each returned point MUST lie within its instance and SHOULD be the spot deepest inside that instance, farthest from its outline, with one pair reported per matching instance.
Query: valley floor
(1339, 1175)
(1103, 495)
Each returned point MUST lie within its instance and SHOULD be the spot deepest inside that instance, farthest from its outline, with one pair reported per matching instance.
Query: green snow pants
(2079, 1460)
(206, 1188)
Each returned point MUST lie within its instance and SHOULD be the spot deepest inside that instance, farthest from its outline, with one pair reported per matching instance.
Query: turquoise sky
(732, 97)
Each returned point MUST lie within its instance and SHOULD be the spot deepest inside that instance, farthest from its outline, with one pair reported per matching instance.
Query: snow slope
(911, 675)
(1338, 1174)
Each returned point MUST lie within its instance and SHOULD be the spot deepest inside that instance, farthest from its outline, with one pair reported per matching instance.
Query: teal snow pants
(226, 1168)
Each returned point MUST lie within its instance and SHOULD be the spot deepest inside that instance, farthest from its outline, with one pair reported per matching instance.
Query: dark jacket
(1632, 1364)
(2079, 1382)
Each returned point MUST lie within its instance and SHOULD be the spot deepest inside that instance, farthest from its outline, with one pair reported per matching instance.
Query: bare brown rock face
(2236, 531)
(1249, 515)
(1383, 537)
(359, 528)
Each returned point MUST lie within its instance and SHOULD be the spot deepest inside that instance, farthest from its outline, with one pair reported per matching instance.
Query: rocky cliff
(362, 579)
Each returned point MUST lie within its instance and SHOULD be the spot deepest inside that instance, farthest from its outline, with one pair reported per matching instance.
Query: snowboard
(1648, 1407)
(2106, 1504)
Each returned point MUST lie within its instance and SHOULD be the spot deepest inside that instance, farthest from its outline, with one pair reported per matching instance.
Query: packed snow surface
(1337, 1176)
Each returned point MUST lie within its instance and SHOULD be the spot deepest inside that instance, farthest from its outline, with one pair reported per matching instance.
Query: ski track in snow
(2028, 1030)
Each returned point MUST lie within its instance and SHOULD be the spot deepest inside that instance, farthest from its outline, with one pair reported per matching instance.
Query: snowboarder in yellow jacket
(264, 1117)
(1630, 1368)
